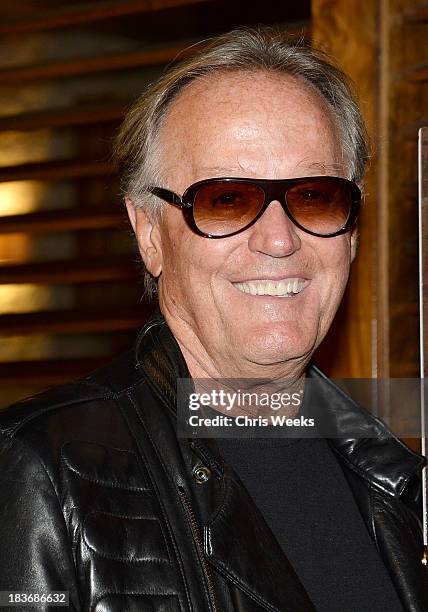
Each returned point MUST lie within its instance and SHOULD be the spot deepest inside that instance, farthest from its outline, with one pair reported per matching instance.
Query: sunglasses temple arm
(167, 195)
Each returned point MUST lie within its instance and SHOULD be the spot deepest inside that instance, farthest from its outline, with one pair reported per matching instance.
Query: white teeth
(287, 287)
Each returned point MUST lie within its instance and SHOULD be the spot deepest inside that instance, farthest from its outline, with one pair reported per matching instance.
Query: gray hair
(247, 50)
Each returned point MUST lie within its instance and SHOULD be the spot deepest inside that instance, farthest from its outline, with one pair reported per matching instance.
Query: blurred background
(70, 289)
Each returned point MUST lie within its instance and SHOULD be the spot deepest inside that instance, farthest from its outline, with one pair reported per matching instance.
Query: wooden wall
(383, 46)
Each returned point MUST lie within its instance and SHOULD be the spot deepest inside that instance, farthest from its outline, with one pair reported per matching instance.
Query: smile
(285, 288)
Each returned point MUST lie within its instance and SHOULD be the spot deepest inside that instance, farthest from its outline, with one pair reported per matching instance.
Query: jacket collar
(376, 454)
(380, 458)
(157, 353)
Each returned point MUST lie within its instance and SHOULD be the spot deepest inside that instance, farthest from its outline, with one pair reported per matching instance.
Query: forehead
(247, 123)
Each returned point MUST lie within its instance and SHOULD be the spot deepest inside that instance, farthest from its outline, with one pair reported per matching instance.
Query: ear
(354, 242)
(148, 237)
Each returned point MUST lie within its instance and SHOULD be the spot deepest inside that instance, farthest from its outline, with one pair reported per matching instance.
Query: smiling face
(260, 302)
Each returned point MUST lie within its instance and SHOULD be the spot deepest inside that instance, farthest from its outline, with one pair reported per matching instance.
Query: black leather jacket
(98, 497)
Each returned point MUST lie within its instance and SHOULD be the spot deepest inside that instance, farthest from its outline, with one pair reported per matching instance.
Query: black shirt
(299, 487)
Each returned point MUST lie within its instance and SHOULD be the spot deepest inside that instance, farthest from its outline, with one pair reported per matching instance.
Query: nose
(274, 233)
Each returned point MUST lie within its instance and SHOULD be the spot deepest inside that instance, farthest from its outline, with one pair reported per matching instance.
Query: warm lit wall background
(69, 285)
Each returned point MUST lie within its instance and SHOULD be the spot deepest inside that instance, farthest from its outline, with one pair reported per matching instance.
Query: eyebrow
(220, 170)
(323, 168)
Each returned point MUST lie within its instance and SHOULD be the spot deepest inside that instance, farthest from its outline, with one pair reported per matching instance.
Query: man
(100, 497)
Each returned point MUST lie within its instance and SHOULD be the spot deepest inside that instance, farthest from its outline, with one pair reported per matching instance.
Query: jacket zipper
(199, 545)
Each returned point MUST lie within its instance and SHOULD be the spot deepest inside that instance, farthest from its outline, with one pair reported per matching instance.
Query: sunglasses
(323, 206)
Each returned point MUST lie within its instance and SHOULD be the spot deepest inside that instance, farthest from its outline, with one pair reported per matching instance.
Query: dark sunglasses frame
(274, 189)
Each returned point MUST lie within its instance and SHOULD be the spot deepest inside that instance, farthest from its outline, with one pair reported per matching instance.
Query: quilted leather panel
(107, 466)
(138, 603)
(131, 539)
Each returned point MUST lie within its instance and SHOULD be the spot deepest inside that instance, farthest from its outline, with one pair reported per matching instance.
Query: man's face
(246, 125)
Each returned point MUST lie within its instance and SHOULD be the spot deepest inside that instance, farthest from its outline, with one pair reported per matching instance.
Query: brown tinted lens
(320, 206)
(226, 207)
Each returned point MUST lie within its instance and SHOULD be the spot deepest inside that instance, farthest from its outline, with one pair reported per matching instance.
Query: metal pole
(423, 303)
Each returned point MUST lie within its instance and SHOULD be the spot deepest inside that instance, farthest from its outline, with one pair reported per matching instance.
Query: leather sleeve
(35, 552)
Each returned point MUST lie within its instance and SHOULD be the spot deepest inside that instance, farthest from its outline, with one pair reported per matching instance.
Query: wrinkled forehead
(256, 123)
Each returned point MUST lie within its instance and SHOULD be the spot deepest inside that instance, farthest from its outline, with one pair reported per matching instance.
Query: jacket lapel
(363, 441)
(241, 546)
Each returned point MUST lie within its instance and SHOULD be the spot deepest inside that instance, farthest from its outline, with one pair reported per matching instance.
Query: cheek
(335, 265)
(173, 264)
(337, 255)
(187, 269)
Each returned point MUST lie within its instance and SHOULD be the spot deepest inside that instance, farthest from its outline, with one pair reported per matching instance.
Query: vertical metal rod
(423, 258)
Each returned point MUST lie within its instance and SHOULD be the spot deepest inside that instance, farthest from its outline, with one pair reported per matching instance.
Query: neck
(231, 375)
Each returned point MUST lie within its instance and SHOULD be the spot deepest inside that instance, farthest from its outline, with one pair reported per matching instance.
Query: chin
(277, 346)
